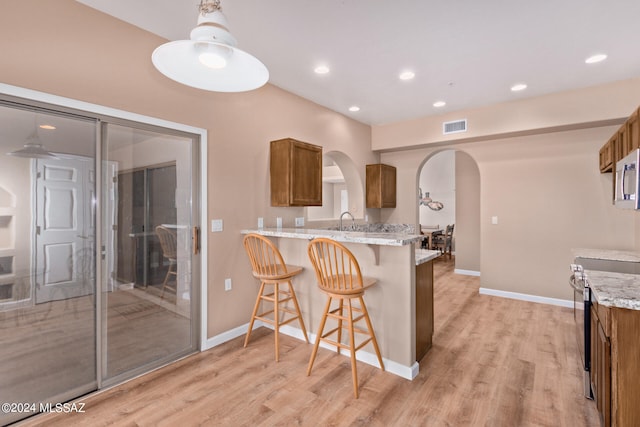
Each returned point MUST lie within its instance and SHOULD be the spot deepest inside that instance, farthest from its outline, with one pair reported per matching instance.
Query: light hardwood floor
(495, 362)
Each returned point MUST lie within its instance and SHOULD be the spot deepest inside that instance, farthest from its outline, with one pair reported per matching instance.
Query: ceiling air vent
(455, 126)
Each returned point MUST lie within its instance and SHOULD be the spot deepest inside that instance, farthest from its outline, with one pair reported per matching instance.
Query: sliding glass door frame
(104, 115)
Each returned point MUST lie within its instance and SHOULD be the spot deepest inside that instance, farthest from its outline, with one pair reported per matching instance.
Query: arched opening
(448, 192)
(342, 189)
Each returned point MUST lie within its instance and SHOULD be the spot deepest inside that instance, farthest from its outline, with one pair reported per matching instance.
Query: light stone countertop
(607, 254)
(424, 255)
(615, 289)
(382, 238)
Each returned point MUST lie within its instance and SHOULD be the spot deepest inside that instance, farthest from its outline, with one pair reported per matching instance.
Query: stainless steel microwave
(628, 181)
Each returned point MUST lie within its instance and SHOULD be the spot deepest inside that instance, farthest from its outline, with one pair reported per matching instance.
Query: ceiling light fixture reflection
(33, 149)
(593, 59)
(354, 108)
(321, 69)
(209, 60)
(47, 127)
(407, 75)
(518, 87)
(439, 104)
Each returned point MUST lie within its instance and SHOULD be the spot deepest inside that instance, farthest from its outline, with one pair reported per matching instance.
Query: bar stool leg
(276, 317)
(253, 315)
(352, 348)
(341, 311)
(319, 336)
(373, 335)
(295, 302)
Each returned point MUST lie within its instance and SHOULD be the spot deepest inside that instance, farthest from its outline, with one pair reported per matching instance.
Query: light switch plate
(227, 284)
(300, 222)
(494, 220)
(216, 225)
(279, 222)
(260, 222)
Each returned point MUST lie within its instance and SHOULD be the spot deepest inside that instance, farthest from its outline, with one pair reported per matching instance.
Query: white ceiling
(467, 53)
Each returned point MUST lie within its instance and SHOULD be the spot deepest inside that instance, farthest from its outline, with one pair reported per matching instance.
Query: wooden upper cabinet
(296, 173)
(381, 186)
(606, 156)
(633, 132)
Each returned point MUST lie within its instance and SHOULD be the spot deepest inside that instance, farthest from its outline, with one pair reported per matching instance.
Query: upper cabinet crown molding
(296, 173)
(381, 186)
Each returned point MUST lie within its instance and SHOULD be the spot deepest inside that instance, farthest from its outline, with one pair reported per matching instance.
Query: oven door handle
(574, 285)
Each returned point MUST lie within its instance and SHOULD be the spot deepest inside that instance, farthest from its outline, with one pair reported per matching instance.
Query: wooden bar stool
(269, 267)
(338, 274)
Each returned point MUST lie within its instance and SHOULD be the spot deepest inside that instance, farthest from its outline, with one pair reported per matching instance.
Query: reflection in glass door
(73, 318)
(148, 226)
(47, 262)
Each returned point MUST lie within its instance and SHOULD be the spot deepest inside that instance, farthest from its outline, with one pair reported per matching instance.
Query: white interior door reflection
(64, 261)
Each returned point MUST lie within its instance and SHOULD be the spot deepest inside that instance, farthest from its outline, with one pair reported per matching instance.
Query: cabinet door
(606, 157)
(600, 368)
(306, 175)
(633, 131)
(296, 173)
(381, 186)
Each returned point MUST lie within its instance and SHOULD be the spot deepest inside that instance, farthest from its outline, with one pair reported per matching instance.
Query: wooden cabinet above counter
(622, 142)
(296, 173)
(381, 186)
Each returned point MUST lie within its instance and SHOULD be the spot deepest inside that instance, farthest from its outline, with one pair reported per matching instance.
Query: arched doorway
(448, 192)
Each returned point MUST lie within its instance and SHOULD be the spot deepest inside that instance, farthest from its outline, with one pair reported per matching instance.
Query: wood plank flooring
(495, 362)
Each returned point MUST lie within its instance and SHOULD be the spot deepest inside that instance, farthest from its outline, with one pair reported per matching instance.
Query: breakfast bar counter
(389, 257)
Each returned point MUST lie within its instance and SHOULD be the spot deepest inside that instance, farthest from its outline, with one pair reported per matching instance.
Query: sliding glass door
(47, 258)
(149, 309)
(99, 260)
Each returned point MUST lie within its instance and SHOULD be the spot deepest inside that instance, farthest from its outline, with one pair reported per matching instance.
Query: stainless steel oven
(582, 317)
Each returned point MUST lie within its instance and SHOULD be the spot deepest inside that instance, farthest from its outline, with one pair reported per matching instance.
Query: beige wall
(549, 197)
(467, 230)
(71, 50)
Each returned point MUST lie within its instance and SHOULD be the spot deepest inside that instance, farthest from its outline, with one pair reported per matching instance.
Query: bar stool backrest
(337, 270)
(265, 258)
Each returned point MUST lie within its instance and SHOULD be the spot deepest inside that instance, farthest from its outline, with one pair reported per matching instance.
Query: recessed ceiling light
(439, 104)
(354, 108)
(47, 127)
(596, 58)
(321, 69)
(518, 87)
(407, 75)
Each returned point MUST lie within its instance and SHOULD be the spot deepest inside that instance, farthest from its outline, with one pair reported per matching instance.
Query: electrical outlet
(300, 222)
(494, 220)
(279, 222)
(227, 284)
(260, 222)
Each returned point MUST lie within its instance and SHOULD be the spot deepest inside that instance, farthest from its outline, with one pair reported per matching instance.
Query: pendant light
(210, 59)
(33, 147)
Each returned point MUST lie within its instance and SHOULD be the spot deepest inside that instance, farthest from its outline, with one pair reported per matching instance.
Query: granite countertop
(611, 289)
(424, 255)
(370, 238)
(607, 254)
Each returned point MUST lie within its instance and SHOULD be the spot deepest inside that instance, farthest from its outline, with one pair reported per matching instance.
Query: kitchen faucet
(353, 220)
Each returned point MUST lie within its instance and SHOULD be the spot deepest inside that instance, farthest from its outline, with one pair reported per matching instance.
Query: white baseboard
(228, 335)
(406, 372)
(527, 297)
(467, 272)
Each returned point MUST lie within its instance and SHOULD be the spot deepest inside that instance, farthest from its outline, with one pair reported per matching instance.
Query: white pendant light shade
(33, 149)
(210, 60)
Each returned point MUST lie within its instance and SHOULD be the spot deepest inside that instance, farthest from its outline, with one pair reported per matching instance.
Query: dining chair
(168, 243)
(444, 242)
(339, 277)
(269, 268)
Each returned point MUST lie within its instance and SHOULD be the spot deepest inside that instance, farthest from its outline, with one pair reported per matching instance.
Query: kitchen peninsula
(394, 303)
